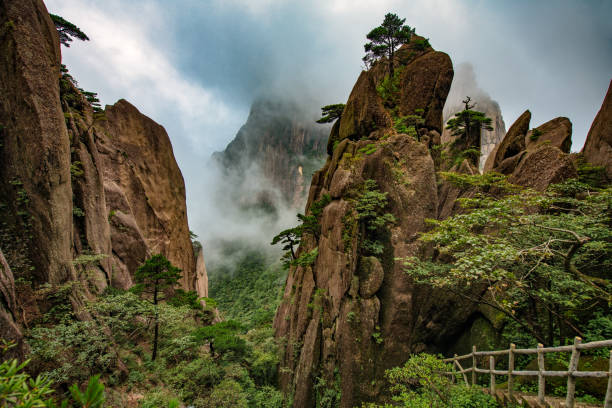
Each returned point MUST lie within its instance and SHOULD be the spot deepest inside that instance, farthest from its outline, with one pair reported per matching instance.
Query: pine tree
(67, 30)
(156, 274)
(467, 125)
(386, 38)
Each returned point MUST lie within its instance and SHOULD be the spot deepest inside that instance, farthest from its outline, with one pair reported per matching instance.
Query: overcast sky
(196, 65)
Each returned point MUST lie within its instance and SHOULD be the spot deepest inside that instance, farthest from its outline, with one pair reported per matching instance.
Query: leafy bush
(72, 352)
(421, 383)
(189, 379)
(222, 338)
(18, 389)
(228, 394)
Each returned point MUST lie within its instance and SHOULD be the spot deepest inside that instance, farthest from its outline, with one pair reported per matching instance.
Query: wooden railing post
(510, 370)
(473, 365)
(491, 368)
(608, 403)
(571, 380)
(541, 378)
(465, 380)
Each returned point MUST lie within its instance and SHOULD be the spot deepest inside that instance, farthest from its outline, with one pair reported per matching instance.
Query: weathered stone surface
(389, 314)
(371, 275)
(9, 330)
(137, 156)
(364, 111)
(556, 133)
(513, 143)
(545, 166)
(90, 218)
(425, 83)
(201, 277)
(35, 151)
(597, 149)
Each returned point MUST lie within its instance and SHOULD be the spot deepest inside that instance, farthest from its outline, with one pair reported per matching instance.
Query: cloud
(123, 61)
(195, 66)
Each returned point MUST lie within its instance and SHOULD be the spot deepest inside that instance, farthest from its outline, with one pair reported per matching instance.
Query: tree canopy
(67, 30)
(537, 257)
(386, 38)
(329, 113)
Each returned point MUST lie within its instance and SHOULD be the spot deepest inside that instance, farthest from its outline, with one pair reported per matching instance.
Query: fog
(195, 66)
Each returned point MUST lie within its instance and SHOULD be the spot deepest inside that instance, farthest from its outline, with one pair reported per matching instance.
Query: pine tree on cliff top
(385, 39)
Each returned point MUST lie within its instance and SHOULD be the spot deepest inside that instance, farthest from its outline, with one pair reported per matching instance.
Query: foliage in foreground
(421, 383)
(18, 389)
(117, 345)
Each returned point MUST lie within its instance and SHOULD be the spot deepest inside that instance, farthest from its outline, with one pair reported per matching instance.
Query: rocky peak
(598, 146)
(84, 195)
(365, 315)
(282, 144)
(535, 158)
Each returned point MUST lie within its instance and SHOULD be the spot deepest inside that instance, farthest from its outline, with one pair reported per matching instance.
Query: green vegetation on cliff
(540, 259)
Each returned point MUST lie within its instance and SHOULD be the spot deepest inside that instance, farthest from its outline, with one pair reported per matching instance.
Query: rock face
(598, 146)
(512, 144)
(84, 194)
(9, 312)
(35, 188)
(150, 201)
(556, 133)
(352, 313)
(464, 84)
(282, 145)
(201, 275)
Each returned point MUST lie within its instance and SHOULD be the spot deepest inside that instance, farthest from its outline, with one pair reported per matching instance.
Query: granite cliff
(281, 143)
(350, 312)
(86, 194)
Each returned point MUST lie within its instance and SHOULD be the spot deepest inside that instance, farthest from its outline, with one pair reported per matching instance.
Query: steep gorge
(86, 194)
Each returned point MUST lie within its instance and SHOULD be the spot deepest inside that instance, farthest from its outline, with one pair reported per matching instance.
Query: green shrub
(267, 397)
(535, 134)
(190, 379)
(421, 383)
(228, 394)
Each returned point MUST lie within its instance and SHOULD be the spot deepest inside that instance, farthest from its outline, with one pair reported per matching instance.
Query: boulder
(424, 84)
(597, 149)
(545, 166)
(513, 143)
(371, 276)
(556, 133)
(364, 111)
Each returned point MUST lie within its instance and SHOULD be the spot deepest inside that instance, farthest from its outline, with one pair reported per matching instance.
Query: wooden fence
(572, 371)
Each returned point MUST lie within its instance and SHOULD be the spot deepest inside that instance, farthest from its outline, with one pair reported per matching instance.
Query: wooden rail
(572, 370)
